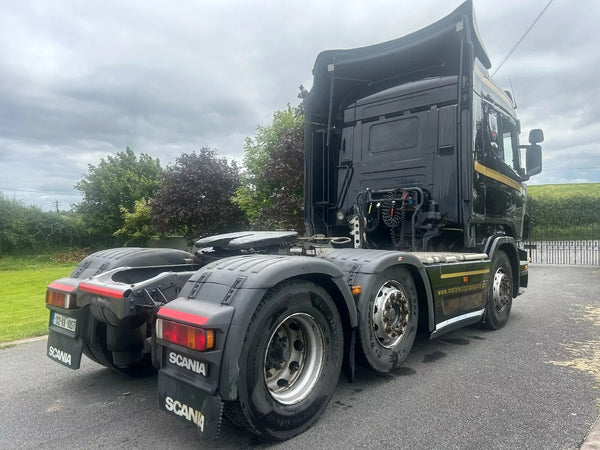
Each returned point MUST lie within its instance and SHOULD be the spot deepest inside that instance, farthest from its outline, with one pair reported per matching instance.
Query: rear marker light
(199, 339)
(60, 299)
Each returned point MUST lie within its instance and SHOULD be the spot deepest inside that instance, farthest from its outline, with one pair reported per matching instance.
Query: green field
(564, 191)
(564, 211)
(23, 282)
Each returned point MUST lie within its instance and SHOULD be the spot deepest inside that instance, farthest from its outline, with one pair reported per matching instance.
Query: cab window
(502, 144)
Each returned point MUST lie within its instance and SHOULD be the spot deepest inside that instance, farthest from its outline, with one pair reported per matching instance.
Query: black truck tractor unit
(414, 205)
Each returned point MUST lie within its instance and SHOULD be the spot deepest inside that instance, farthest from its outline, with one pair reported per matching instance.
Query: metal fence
(569, 245)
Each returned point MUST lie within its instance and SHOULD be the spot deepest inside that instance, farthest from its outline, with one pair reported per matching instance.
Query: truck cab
(412, 146)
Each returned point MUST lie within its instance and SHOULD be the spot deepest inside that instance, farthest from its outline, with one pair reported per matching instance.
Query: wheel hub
(390, 313)
(502, 290)
(294, 358)
(278, 352)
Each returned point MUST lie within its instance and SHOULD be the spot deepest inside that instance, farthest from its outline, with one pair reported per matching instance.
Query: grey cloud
(81, 80)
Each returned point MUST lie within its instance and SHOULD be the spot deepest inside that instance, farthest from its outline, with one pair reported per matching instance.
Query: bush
(28, 228)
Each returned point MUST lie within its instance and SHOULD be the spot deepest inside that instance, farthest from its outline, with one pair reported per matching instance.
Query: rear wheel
(389, 315)
(95, 347)
(290, 362)
(500, 292)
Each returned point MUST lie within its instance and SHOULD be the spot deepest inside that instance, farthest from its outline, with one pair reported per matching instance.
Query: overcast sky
(83, 79)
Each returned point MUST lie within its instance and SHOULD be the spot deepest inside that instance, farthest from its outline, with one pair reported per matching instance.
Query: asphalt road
(533, 384)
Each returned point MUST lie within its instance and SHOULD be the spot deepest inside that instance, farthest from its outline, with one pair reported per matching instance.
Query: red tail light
(56, 296)
(200, 339)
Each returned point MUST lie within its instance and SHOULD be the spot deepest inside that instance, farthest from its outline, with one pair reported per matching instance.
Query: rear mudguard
(128, 266)
(238, 284)
(106, 260)
(115, 298)
(223, 296)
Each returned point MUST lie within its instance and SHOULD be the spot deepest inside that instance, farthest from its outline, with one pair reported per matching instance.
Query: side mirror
(536, 136)
(533, 158)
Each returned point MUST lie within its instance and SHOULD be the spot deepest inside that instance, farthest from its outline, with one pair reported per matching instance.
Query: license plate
(68, 323)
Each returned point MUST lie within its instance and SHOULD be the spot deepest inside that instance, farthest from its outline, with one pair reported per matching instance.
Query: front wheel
(290, 362)
(499, 293)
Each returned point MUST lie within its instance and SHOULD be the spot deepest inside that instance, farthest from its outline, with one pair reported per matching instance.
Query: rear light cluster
(56, 296)
(199, 339)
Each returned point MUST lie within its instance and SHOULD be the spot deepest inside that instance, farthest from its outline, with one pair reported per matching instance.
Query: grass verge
(23, 282)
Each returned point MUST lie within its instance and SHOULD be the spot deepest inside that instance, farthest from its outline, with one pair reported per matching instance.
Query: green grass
(560, 191)
(23, 282)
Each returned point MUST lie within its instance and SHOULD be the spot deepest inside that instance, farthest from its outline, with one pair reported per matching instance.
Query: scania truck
(415, 206)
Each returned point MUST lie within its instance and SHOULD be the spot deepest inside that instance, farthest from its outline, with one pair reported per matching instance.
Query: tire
(499, 293)
(94, 342)
(388, 319)
(284, 386)
(95, 348)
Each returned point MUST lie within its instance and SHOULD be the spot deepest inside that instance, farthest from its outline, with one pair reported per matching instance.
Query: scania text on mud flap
(415, 209)
(189, 348)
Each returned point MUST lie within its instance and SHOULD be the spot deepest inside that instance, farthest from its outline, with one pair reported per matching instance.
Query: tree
(113, 185)
(137, 224)
(272, 191)
(195, 199)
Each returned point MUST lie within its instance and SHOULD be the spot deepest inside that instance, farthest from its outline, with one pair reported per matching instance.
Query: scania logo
(59, 355)
(185, 411)
(188, 363)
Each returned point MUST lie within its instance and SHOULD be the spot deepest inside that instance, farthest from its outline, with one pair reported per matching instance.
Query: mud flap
(190, 404)
(64, 349)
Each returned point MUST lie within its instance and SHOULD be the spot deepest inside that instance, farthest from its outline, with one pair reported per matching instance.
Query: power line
(522, 37)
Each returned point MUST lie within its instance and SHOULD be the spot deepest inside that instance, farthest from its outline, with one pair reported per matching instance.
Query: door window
(503, 154)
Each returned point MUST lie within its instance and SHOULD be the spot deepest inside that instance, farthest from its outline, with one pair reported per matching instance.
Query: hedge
(567, 211)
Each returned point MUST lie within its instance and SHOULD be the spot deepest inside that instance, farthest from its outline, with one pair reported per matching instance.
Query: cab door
(499, 171)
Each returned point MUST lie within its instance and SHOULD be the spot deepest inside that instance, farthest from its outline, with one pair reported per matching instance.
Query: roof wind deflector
(433, 51)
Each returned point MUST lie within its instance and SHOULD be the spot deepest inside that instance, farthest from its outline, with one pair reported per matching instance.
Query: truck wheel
(388, 318)
(95, 348)
(290, 361)
(499, 294)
